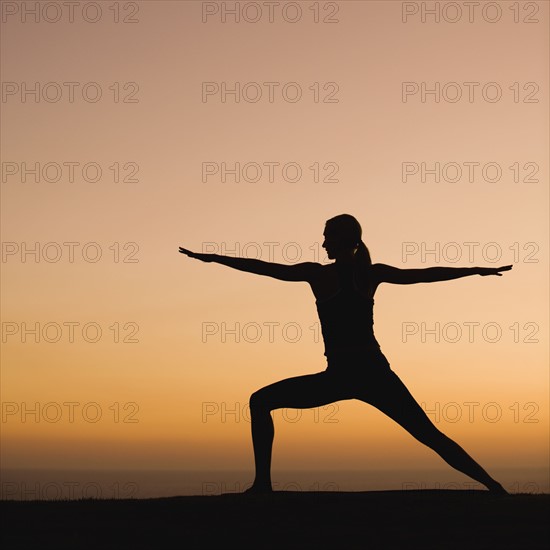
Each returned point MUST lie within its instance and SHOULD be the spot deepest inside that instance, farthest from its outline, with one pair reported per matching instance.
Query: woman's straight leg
(388, 394)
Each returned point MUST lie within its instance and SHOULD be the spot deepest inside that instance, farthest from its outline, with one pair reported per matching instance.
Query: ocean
(19, 484)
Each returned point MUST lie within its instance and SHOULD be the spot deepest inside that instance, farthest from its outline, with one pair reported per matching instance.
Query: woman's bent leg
(300, 392)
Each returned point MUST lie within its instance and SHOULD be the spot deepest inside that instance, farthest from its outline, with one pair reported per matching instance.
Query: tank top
(347, 321)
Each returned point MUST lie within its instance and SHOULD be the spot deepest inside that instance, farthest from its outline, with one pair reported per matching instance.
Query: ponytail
(362, 256)
(363, 263)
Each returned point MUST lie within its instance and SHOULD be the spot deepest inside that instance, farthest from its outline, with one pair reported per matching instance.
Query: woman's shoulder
(379, 270)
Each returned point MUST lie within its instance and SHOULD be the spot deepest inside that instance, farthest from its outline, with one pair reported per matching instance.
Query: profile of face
(335, 246)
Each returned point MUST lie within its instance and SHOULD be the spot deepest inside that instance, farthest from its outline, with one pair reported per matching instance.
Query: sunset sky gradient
(173, 375)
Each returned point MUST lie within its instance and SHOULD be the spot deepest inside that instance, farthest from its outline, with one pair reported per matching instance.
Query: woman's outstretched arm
(297, 272)
(388, 274)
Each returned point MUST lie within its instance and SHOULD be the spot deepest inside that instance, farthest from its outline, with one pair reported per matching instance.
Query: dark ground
(438, 519)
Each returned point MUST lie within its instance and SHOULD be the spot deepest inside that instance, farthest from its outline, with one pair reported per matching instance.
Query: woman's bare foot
(497, 489)
(258, 489)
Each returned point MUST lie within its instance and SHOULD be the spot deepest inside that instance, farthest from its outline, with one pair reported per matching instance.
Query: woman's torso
(345, 308)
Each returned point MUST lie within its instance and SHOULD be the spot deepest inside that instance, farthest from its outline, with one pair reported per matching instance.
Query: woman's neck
(347, 261)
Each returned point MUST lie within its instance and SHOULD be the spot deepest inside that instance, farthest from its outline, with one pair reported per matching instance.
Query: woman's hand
(493, 270)
(197, 255)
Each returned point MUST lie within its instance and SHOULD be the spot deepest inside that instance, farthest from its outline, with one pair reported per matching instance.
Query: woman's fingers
(185, 251)
(494, 270)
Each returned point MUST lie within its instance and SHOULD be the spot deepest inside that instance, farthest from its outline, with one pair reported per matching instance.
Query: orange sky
(176, 372)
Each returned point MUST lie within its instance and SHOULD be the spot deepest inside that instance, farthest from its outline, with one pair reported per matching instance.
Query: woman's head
(342, 236)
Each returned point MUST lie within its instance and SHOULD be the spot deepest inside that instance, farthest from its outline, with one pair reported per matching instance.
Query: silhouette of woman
(356, 367)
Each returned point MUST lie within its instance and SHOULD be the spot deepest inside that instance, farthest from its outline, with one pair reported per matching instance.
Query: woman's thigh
(389, 394)
(375, 383)
(301, 392)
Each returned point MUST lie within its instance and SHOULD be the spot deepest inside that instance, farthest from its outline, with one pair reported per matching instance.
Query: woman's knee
(259, 402)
